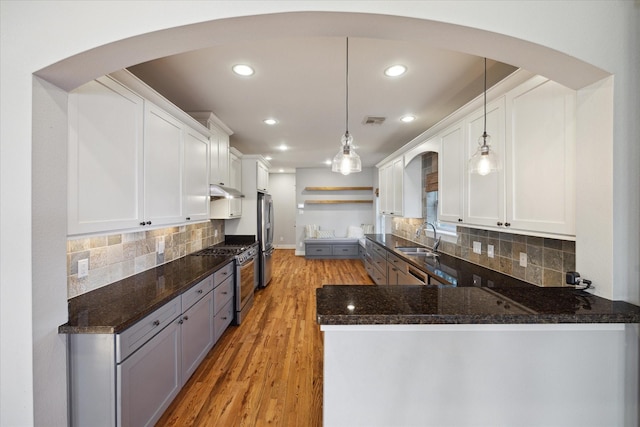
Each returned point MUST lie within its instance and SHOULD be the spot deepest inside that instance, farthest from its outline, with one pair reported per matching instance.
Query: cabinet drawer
(222, 320)
(317, 250)
(220, 275)
(396, 262)
(380, 262)
(222, 294)
(194, 294)
(345, 249)
(133, 338)
(380, 251)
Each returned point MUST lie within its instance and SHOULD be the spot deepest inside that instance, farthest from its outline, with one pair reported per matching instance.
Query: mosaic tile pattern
(547, 259)
(116, 256)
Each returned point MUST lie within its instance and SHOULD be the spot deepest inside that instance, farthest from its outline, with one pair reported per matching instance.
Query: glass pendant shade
(347, 160)
(485, 160)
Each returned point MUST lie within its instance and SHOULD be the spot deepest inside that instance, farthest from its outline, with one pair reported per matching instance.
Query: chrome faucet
(436, 239)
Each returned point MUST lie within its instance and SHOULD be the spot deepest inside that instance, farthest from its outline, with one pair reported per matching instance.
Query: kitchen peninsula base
(480, 375)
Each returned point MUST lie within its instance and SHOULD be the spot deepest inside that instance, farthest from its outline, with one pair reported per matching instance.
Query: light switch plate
(160, 245)
(477, 247)
(490, 251)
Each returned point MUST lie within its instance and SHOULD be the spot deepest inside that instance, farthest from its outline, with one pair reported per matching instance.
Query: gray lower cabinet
(223, 307)
(197, 334)
(130, 378)
(331, 249)
(149, 380)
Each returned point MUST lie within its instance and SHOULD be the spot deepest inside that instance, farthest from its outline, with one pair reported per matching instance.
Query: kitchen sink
(416, 251)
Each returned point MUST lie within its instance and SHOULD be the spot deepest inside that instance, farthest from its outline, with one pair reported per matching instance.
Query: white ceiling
(301, 83)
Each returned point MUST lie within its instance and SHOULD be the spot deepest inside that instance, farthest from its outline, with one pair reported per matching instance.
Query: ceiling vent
(372, 120)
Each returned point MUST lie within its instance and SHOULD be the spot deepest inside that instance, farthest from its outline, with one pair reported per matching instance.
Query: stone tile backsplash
(547, 259)
(116, 256)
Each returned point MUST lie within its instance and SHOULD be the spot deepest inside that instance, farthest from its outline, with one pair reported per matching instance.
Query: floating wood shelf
(334, 202)
(338, 188)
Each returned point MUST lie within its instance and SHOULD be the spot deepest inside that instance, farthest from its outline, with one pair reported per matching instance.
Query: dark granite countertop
(480, 296)
(113, 308)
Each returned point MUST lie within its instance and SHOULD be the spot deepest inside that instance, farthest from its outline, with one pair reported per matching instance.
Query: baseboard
(293, 246)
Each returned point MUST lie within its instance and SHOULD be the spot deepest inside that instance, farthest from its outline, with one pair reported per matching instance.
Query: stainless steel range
(246, 280)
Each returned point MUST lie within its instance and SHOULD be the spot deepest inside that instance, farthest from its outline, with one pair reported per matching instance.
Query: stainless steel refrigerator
(265, 238)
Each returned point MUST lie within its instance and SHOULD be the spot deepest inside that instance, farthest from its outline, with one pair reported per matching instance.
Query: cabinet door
(196, 175)
(484, 195)
(197, 335)
(235, 181)
(397, 175)
(541, 157)
(219, 156)
(451, 168)
(149, 379)
(263, 177)
(105, 157)
(386, 189)
(162, 167)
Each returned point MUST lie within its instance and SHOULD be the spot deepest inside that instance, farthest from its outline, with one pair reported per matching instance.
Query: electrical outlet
(477, 247)
(215, 233)
(160, 245)
(83, 268)
(490, 251)
(523, 259)
(281, 238)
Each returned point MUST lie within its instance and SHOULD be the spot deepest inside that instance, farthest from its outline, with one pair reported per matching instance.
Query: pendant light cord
(347, 86)
(484, 134)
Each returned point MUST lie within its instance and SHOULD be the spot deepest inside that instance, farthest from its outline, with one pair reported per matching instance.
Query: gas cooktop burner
(240, 252)
(222, 250)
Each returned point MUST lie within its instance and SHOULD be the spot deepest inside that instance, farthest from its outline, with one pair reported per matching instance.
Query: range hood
(220, 191)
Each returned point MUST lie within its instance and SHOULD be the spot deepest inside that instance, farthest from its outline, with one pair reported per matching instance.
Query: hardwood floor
(267, 371)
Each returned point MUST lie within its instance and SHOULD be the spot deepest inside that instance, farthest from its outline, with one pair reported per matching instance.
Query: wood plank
(338, 188)
(268, 371)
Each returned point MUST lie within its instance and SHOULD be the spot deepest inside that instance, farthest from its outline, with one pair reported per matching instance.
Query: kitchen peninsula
(491, 350)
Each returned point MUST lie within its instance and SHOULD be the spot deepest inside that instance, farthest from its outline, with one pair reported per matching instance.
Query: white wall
(283, 190)
(573, 43)
(336, 217)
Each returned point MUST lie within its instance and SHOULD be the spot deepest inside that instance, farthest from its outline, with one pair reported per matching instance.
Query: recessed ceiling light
(407, 119)
(268, 158)
(328, 162)
(281, 170)
(243, 70)
(395, 70)
(282, 147)
(270, 121)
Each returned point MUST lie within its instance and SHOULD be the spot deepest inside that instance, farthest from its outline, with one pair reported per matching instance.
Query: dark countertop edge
(532, 319)
(114, 329)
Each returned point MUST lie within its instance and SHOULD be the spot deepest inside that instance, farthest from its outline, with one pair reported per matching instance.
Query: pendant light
(485, 159)
(347, 160)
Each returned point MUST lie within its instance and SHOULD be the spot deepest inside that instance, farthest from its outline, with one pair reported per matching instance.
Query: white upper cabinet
(532, 129)
(132, 162)
(393, 186)
(235, 181)
(451, 170)
(219, 161)
(262, 176)
(196, 175)
(162, 168)
(230, 208)
(484, 195)
(540, 155)
(105, 157)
